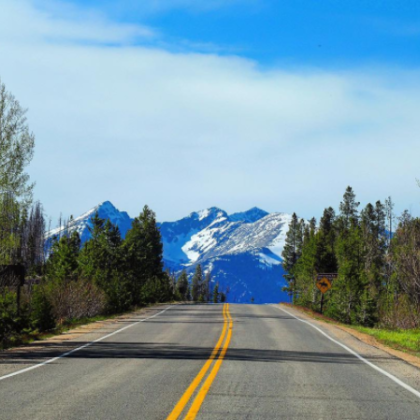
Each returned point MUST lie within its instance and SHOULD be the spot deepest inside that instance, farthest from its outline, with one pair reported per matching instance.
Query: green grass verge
(399, 339)
(404, 340)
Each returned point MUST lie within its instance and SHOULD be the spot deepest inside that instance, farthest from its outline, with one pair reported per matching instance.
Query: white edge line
(79, 348)
(384, 372)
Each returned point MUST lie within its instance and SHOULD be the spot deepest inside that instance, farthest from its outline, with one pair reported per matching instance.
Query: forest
(376, 259)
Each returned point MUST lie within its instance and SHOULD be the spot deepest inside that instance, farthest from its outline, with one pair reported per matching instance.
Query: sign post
(324, 283)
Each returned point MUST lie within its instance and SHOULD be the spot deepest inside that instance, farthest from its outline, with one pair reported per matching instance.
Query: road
(208, 362)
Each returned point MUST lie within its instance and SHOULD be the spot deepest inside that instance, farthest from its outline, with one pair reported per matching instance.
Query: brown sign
(328, 276)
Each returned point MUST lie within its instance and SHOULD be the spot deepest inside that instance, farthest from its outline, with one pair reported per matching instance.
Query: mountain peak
(211, 212)
(106, 210)
(249, 216)
(106, 204)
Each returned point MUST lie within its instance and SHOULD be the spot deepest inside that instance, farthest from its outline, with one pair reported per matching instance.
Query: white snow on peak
(203, 214)
(269, 260)
(222, 236)
(81, 224)
(276, 246)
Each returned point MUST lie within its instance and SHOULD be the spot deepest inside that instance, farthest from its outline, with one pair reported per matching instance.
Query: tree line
(67, 280)
(200, 289)
(376, 258)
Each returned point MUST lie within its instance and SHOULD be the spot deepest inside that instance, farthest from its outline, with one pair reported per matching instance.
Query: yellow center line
(199, 399)
(196, 382)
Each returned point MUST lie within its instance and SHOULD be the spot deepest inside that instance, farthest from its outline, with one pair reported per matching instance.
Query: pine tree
(206, 287)
(312, 226)
(305, 270)
(102, 260)
(348, 209)
(197, 283)
(63, 264)
(216, 294)
(144, 252)
(33, 240)
(182, 285)
(349, 253)
(326, 260)
(292, 249)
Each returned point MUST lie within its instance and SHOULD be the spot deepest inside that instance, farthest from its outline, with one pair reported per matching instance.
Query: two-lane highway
(205, 362)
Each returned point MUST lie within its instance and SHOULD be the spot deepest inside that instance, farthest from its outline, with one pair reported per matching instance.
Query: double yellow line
(201, 395)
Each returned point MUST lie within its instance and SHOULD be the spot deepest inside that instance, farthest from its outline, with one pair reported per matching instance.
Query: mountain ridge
(242, 250)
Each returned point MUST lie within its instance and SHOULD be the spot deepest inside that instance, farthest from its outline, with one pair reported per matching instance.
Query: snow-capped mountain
(81, 224)
(242, 250)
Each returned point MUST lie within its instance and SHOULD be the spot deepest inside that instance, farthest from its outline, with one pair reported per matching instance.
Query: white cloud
(58, 22)
(186, 131)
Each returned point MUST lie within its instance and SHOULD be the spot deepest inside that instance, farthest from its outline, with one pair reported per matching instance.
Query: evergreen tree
(33, 240)
(197, 283)
(304, 271)
(349, 253)
(63, 263)
(312, 226)
(102, 261)
(325, 255)
(216, 294)
(182, 285)
(206, 287)
(144, 250)
(292, 249)
(348, 210)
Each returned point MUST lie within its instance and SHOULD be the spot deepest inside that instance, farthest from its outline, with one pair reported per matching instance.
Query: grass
(398, 339)
(404, 340)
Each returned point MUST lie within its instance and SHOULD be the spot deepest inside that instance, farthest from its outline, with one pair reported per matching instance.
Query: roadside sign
(324, 281)
(323, 285)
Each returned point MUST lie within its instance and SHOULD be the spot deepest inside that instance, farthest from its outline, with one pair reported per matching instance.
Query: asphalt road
(206, 362)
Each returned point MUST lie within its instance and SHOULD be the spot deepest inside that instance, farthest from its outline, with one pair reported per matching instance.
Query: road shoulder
(398, 363)
(335, 327)
(16, 358)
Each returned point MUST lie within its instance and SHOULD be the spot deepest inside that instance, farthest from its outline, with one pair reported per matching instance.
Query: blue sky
(281, 32)
(186, 104)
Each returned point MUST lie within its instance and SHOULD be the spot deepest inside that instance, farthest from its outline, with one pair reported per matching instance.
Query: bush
(399, 313)
(75, 299)
(9, 320)
(42, 311)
